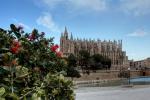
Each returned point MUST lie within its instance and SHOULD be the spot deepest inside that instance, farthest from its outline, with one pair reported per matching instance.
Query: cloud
(138, 33)
(94, 5)
(135, 7)
(52, 3)
(46, 20)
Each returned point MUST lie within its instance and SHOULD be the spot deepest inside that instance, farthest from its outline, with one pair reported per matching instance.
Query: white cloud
(94, 5)
(136, 7)
(47, 21)
(52, 3)
(138, 33)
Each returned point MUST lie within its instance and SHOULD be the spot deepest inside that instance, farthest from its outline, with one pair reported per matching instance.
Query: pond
(140, 80)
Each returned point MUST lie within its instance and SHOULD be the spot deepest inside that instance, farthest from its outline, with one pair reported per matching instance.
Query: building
(110, 49)
(141, 64)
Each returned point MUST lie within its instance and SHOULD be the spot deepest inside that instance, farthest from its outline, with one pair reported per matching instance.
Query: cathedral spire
(66, 30)
(120, 44)
(66, 33)
(71, 37)
(61, 34)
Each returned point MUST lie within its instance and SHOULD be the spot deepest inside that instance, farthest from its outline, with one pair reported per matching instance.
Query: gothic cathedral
(111, 49)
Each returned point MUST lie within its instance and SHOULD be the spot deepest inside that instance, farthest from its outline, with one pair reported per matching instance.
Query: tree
(100, 62)
(96, 62)
(84, 58)
(98, 58)
(72, 72)
(107, 63)
(72, 64)
(72, 60)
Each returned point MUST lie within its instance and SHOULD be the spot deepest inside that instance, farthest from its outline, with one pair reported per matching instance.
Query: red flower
(59, 54)
(15, 47)
(14, 50)
(54, 48)
(16, 43)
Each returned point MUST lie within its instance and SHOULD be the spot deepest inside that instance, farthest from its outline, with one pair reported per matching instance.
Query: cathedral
(111, 49)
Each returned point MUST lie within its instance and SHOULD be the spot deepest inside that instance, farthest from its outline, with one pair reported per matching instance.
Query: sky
(128, 20)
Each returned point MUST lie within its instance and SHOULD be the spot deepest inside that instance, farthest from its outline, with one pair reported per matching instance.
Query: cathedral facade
(110, 49)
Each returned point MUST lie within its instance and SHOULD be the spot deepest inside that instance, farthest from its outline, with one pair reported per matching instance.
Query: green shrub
(31, 67)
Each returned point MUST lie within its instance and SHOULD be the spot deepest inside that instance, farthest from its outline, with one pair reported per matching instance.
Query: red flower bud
(15, 47)
(54, 48)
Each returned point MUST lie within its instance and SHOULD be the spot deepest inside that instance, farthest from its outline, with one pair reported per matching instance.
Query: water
(140, 80)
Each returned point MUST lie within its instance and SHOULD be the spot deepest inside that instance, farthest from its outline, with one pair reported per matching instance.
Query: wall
(103, 74)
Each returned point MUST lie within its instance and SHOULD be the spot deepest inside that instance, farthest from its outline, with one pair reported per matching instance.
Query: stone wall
(113, 74)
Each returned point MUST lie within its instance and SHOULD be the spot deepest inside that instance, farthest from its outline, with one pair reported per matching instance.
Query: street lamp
(129, 75)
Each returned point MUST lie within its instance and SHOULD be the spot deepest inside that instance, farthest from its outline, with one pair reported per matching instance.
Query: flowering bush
(31, 67)
(15, 47)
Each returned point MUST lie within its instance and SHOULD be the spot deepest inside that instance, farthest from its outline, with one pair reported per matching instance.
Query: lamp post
(129, 75)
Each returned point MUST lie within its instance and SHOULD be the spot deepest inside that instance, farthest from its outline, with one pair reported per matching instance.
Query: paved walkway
(113, 93)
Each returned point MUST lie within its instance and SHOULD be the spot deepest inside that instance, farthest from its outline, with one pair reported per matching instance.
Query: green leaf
(5, 49)
(15, 30)
(13, 27)
(2, 91)
(21, 72)
(35, 97)
(3, 71)
(2, 98)
(12, 96)
(40, 91)
(7, 79)
(18, 35)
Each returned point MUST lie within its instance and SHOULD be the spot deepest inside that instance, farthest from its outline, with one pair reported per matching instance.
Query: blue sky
(104, 19)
